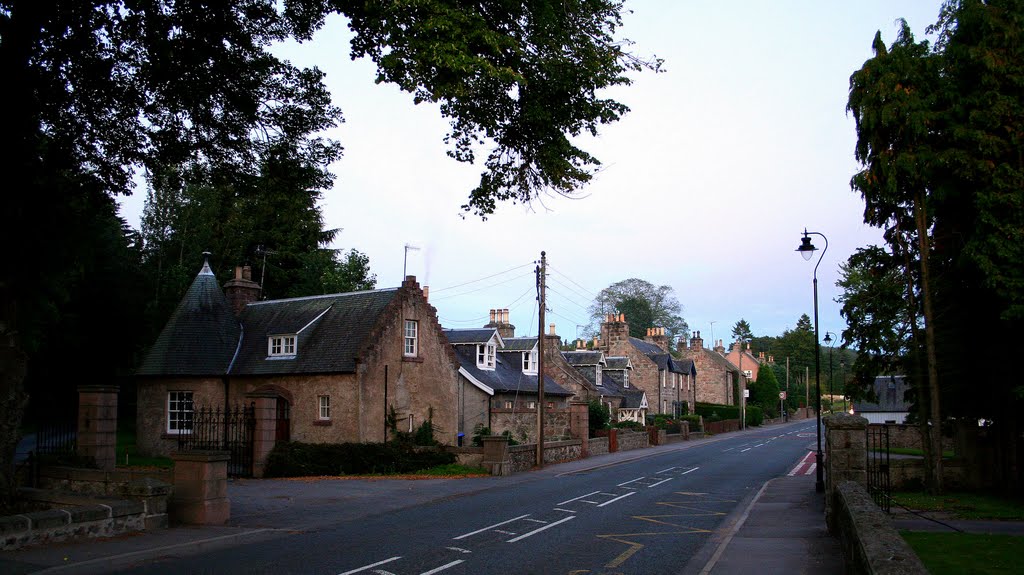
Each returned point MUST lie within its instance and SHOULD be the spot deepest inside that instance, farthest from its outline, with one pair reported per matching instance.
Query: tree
(653, 306)
(765, 391)
(98, 91)
(741, 331)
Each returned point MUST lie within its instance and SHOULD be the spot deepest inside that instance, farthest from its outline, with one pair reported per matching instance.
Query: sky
(706, 185)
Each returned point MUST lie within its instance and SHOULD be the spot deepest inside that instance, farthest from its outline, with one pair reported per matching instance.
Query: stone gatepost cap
(844, 421)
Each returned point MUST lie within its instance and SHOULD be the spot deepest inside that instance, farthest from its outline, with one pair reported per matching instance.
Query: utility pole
(541, 280)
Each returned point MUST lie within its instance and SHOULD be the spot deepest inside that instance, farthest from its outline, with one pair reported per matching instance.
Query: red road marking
(805, 466)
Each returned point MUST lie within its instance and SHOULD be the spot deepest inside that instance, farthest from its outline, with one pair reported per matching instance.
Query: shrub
(598, 416)
(717, 412)
(627, 425)
(755, 415)
(296, 459)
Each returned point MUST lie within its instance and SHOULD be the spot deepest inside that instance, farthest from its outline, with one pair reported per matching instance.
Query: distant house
(744, 360)
(891, 405)
(336, 365)
(505, 372)
(717, 378)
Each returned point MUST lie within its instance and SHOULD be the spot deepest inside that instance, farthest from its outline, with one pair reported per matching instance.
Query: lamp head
(806, 248)
(828, 337)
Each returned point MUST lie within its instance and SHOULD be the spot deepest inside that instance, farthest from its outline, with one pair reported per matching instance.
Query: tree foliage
(652, 306)
(741, 331)
(765, 391)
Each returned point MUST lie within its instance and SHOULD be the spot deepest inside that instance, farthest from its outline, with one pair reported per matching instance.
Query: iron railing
(878, 465)
(224, 429)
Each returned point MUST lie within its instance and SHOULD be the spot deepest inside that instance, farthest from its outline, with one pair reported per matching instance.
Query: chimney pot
(551, 329)
(238, 272)
(504, 315)
(426, 293)
(492, 315)
(247, 273)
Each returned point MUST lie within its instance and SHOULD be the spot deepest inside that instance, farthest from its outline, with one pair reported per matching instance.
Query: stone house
(666, 382)
(611, 376)
(744, 360)
(332, 367)
(716, 377)
(505, 371)
(890, 405)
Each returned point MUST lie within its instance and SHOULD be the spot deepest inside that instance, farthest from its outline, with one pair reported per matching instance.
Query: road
(662, 513)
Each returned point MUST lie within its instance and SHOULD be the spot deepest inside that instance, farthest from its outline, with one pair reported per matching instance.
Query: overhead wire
(479, 289)
(557, 271)
(483, 278)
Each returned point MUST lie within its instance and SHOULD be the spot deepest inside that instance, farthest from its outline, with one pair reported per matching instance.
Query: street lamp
(806, 250)
(830, 340)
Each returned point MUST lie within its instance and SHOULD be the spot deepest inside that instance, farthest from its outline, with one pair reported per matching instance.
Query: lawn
(967, 553)
(964, 505)
(127, 455)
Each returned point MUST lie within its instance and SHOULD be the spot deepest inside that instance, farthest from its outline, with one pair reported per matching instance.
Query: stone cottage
(717, 378)
(332, 367)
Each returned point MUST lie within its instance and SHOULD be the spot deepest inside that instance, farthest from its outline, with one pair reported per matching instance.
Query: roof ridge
(323, 296)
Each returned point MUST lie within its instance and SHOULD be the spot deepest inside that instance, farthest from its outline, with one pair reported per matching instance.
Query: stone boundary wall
(869, 541)
(468, 456)
(909, 473)
(598, 445)
(522, 457)
(909, 436)
(96, 481)
(86, 519)
(632, 440)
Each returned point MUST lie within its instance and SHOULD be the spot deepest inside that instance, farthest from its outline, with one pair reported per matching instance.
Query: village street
(652, 512)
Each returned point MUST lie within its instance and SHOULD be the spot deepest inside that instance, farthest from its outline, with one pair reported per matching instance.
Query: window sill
(322, 423)
(412, 359)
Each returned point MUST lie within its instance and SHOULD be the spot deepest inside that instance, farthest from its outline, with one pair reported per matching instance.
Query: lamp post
(830, 339)
(842, 378)
(806, 250)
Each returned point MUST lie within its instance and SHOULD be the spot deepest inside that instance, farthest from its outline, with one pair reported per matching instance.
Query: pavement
(780, 529)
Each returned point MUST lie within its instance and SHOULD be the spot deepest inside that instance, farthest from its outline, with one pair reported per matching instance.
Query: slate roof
(890, 390)
(332, 329)
(460, 336)
(616, 362)
(682, 366)
(507, 375)
(200, 337)
(519, 344)
(578, 358)
(646, 347)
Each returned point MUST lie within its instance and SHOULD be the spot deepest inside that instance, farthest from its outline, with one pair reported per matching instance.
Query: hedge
(716, 412)
(296, 459)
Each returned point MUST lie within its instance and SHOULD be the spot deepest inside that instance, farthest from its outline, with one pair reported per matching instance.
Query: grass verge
(967, 553)
(964, 505)
(127, 455)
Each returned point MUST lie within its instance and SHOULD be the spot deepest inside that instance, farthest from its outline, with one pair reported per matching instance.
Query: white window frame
(530, 361)
(282, 345)
(324, 407)
(486, 355)
(411, 338)
(508, 405)
(625, 378)
(531, 405)
(599, 377)
(180, 412)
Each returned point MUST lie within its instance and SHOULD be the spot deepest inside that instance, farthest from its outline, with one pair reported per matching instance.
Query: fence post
(97, 424)
(845, 456)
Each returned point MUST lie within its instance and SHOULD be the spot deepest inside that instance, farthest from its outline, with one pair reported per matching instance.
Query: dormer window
(530, 361)
(281, 346)
(597, 373)
(485, 354)
(625, 378)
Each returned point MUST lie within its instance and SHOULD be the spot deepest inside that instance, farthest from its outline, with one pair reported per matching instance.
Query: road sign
(782, 395)
(746, 393)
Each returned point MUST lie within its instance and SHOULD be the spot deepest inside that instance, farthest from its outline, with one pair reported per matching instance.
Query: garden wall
(523, 457)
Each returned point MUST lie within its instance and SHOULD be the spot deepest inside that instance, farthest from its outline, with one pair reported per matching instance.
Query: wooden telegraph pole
(541, 277)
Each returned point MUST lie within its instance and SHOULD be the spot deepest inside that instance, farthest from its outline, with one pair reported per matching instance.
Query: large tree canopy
(644, 304)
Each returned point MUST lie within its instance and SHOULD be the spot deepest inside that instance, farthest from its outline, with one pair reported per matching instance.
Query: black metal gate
(878, 465)
(220, 429)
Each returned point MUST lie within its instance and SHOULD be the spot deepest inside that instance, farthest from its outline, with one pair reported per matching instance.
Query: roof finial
(206, 265)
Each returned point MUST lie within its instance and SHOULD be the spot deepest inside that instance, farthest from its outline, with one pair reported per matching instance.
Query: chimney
(241, 291)
(580, 344)
(499, 321)
(720, 347)
(551, 329)
(615, 335)
(696, 343)
(656, 335)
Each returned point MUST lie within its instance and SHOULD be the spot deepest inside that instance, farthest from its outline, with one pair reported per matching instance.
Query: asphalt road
(661, 513)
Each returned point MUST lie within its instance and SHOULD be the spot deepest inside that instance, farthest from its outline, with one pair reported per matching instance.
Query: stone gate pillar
(845, 455)
(579, 425)
(97, 424)
(200, 495)
(265, 433)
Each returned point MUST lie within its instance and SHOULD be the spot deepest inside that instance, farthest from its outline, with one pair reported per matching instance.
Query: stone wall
(597, 446)
(723, 426)
(845, 456)
(632, 440)
(523, 457)
(522, 423)
(908, 473)
(869, 541)
(909, 436)
(468, 456)
(97, 482)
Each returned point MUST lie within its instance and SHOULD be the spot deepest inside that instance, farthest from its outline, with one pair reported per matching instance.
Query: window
(485, 353)
(179, 412)
(281, 346)
(598, 376)
(325, 406)
(673, 376)
(529, 362)
(508, 405)
(662, 379)
(531, 405)
(625, 378)
(411, 338)
(748, 373)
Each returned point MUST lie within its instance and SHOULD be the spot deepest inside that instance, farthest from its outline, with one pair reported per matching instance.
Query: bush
(628, 425)
(296, 459)
(717, 412)
(598, 416)
(755, 415)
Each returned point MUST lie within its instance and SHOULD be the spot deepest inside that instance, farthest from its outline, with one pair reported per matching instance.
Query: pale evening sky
(706, 186)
